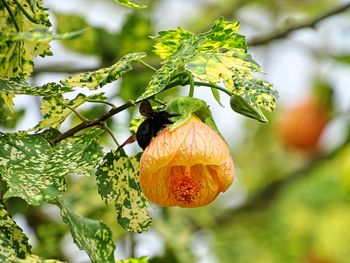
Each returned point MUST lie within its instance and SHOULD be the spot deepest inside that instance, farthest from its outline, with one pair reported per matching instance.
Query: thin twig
(82, 118)
(91, 123)
(102, 101)
(107, 129)
(286, 31)
(146, 64)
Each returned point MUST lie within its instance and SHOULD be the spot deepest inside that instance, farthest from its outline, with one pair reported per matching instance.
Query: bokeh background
(286, 205)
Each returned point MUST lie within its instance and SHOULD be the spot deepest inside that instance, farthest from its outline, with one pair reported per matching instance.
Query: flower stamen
(185, 188)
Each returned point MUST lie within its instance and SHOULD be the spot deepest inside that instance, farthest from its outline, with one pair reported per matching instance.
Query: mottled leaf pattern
(37, 36)
(19, 52)
(127, 3)
(167, 42)
(36, 259)
(22, 87)
(13, 242)
(260, 92)
(219, 55)
(134, 260)
(97, 79)
(7, 98)
(215, 67)
(159, 80)
(56, 109)
(117, 179)
(90, 235)
(35, 171)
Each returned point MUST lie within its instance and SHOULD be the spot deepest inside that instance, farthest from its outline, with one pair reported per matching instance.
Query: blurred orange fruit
(302, 125)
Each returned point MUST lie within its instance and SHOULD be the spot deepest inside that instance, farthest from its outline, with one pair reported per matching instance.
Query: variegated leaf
(159, 80)
(219, 55)
(130, 4)
(56, 109)
(20, 86)
(134, 260)
(19, 54)
(35, 171)
(97, 79)
(168, 42)
(117, 179)
(215, 67)
(90, 235)
(13, 242)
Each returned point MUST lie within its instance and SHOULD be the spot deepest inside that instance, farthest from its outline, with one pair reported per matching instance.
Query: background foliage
(285, 206)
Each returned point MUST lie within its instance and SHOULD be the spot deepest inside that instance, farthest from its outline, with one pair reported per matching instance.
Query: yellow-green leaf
(13, 242)
(130, 4)
(90, 235)
(99, 78)
(118, 183)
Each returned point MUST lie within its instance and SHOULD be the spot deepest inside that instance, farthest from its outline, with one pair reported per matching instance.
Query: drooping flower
(187, 167)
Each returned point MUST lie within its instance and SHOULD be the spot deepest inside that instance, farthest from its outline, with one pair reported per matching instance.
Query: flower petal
(201, 145)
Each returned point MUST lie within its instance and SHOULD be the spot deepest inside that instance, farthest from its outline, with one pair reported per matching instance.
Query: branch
(90, 123)
(100, 120)
(286, 31)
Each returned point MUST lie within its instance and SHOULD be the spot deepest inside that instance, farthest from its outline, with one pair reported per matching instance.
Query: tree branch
(90, 123)
(100, 120)
(286, 31)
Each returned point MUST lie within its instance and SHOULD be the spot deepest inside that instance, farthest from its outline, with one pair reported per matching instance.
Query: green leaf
(95, 41)
(90, 235)
(215, 67)
(18, 51)
(186, 106)
(117, 180)
(7, 99)
(20, 86)
(35, 171)
(168, 42)
(37, 259)
(38, 36)
(56, 109)
(127, 3)
(216, 95)
(97, 79)
(134, 260)
(250, 94)
(244, 106)
(343, 58)
(219, 55)
(159, 80)
(134, 34)
(13, 242)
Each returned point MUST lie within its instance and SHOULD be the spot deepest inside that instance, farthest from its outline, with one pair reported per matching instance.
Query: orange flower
(187, 167)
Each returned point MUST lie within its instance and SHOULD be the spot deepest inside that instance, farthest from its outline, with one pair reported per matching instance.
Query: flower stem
(191, 91)
(146, 64)
(212, 85)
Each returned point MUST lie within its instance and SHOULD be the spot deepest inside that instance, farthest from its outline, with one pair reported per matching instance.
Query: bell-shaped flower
(187, 167)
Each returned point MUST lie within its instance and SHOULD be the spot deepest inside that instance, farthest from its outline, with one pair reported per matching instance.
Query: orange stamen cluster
(186, 188)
